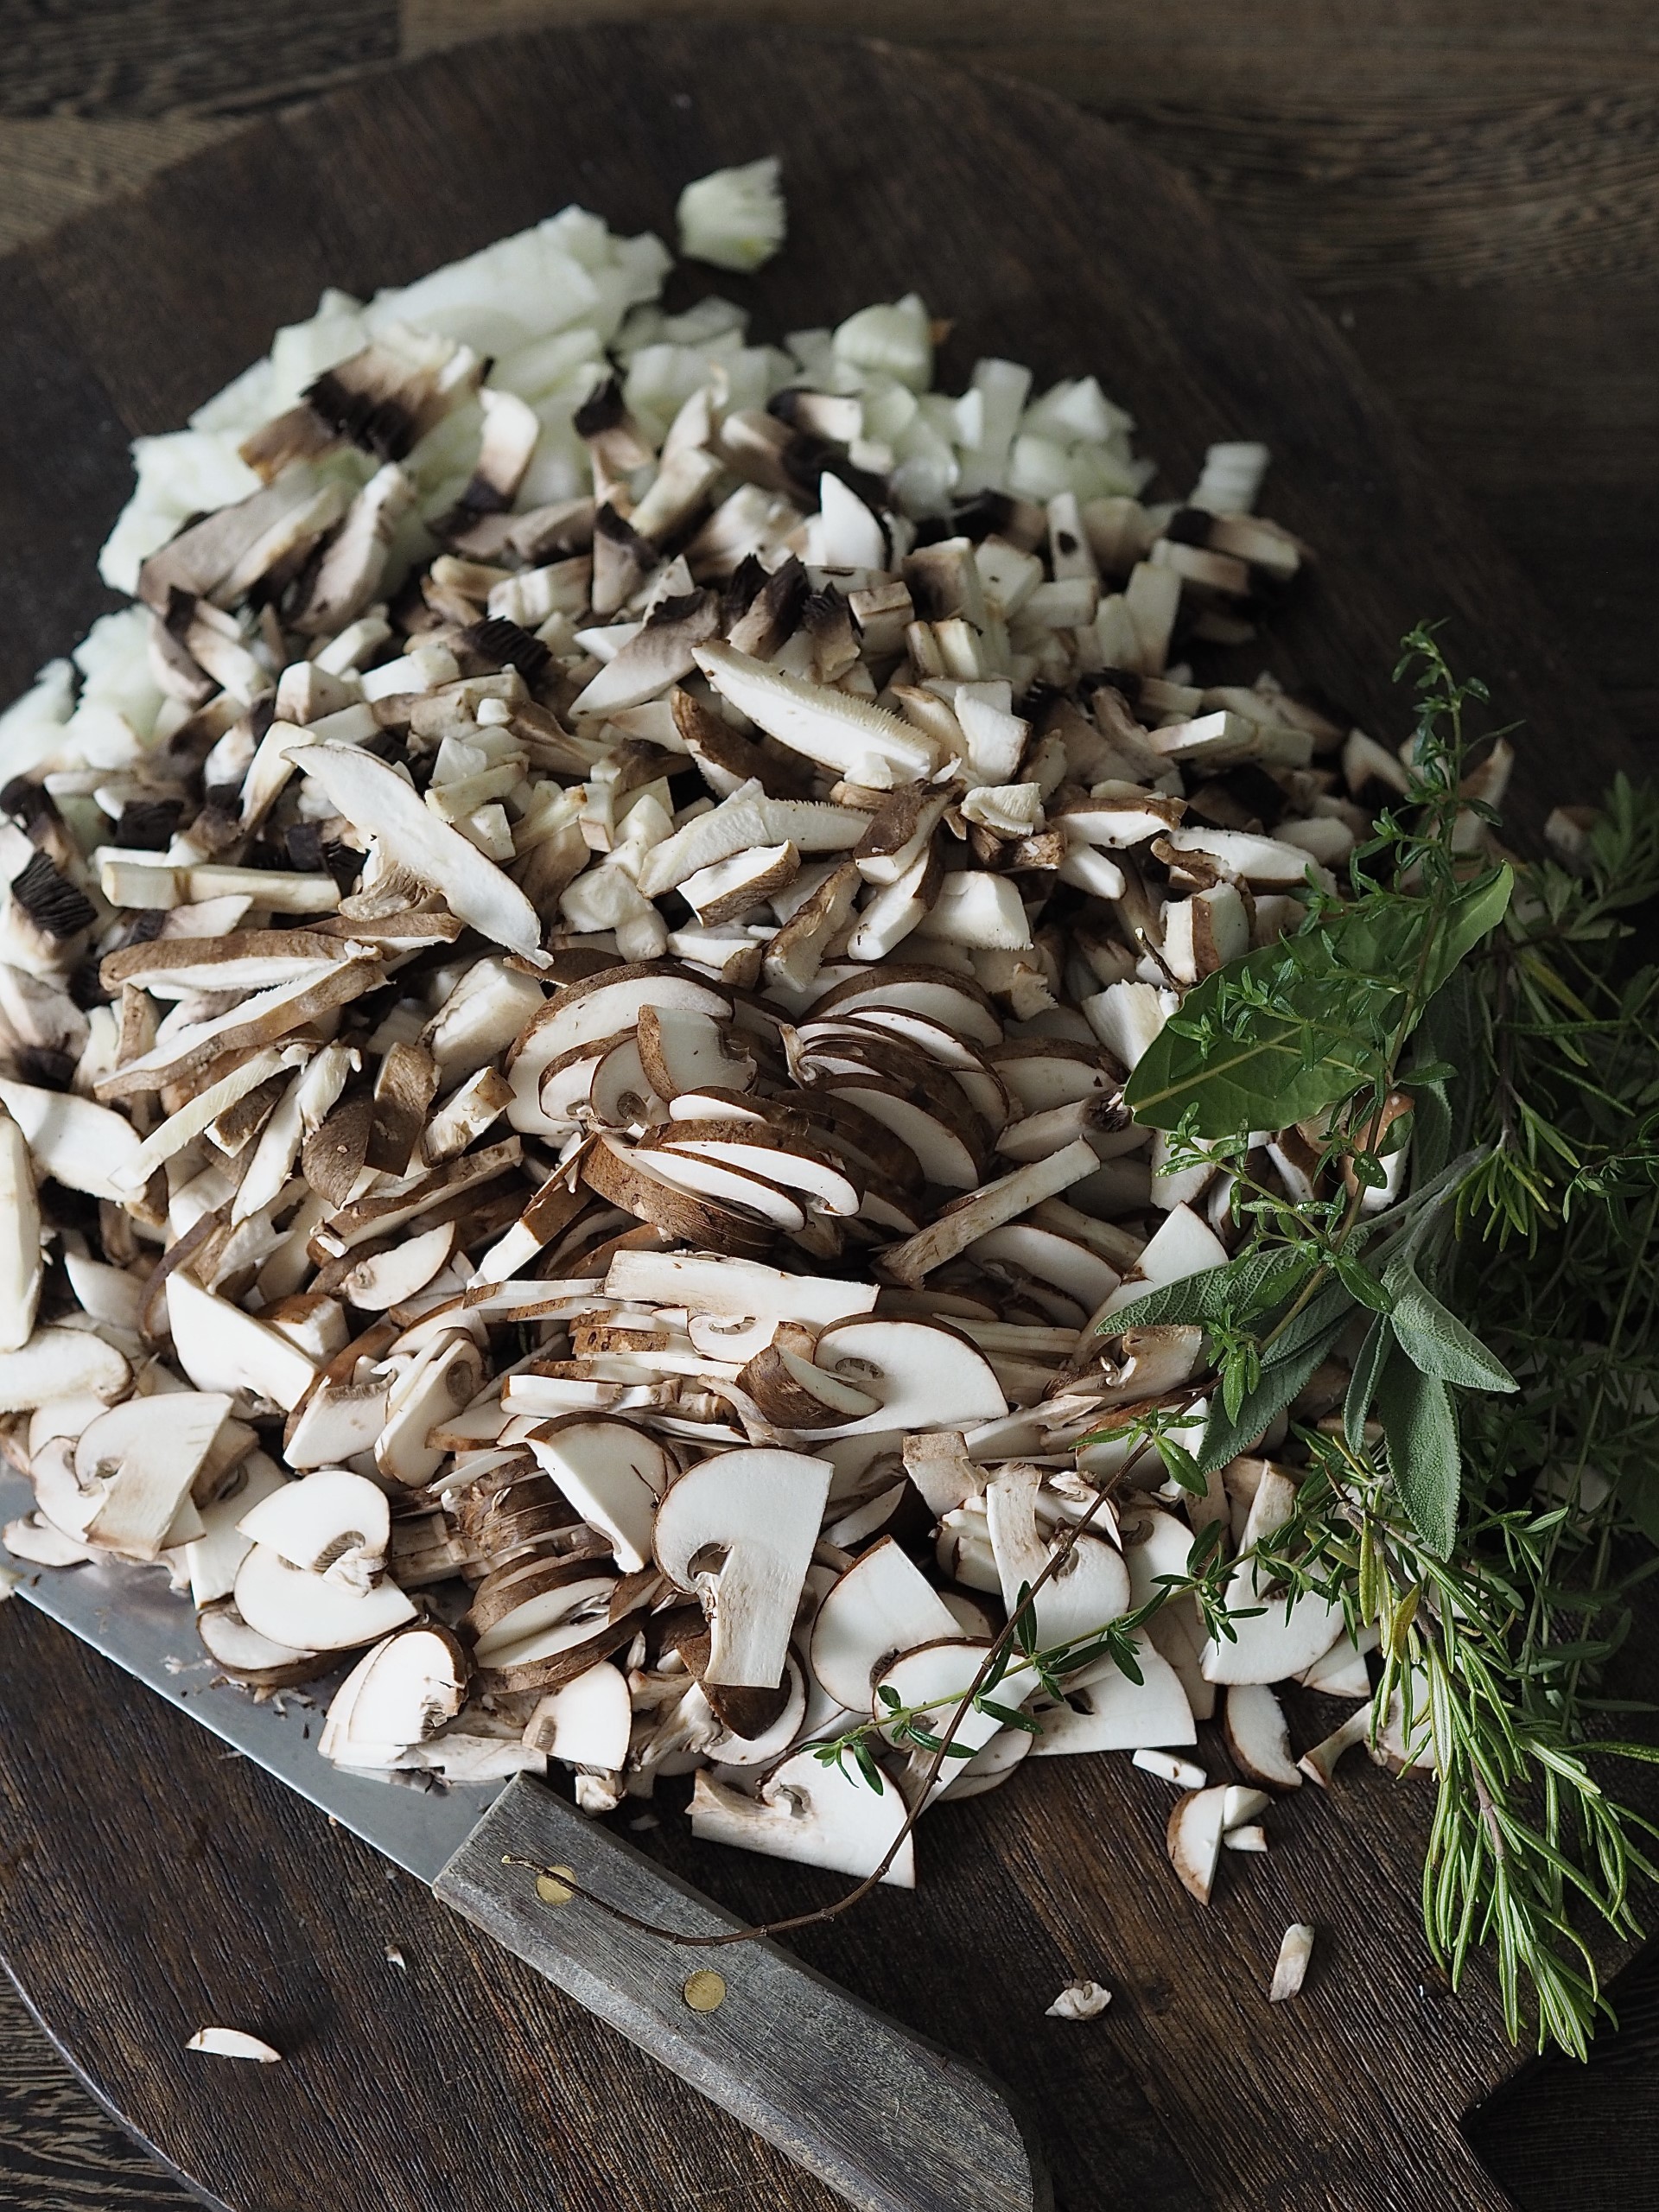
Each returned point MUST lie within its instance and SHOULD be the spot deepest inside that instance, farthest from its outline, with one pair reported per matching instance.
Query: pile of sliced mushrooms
(568, 970)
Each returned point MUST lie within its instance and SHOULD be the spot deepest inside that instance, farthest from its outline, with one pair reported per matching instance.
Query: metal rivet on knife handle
(550, 1890)
(706, 1992)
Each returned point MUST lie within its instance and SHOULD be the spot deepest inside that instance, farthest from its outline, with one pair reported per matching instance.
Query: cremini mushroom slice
(310, 1612)
(882, 1605)
(1258, 1738)
(141, 1460)
(260, 1662)
(737, 1532)
(613, 1473)
(55, 1364)
(1196, 1827)
(1283, 1637)
(331, 1522)
(587, 1722)
(402, 1692)
(381, 806)
(817, 1815)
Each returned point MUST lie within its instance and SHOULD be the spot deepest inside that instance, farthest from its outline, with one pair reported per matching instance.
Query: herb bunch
(1486, 1496)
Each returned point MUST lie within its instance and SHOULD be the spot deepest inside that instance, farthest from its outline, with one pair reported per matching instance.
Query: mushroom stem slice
(1005, 1199)
(377, 801)
(1290, 1968)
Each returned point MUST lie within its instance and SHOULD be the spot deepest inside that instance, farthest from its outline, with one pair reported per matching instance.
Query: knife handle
(886, 2119)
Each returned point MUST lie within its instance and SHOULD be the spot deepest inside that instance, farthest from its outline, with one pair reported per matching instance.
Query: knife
(889, 2120)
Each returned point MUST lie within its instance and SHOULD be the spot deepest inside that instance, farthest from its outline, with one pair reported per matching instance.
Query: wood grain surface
(1138, 2109)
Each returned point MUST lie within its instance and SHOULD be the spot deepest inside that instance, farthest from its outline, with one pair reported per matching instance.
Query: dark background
(1470, 187)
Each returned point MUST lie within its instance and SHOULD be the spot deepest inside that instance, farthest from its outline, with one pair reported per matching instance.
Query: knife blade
(889, 2120)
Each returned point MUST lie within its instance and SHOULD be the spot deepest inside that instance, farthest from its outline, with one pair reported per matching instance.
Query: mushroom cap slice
(813, 1813)
(61, 1363)
(630, 1181)
(403, 1690)
(146, 1453)
(514, 1606)
(857, 739)
(1258, 1738)
(798, 1166)
(1090, 1588)
(307, 1611)
(738, 1531)
(390, 1278)
(331, 1522)
(737, 1187)
(1277, 1638)
(613, 1472)
(725, 1747)
(214, 1556)
(923, 1375)
(956, 1002)
(81, 1145)
(682, 1049)
(929, 1683)
(1193, 1839)
(882, 1605)
(793, 1393)
(587, 1722)
(1105, 1711)
(247, 1656)
(221, 1348)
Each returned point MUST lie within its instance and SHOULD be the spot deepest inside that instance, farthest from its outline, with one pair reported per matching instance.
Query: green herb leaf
(1225, 1437)
(1361, 1384)
(1008, 1716)
(1255, 1282)
(1425, 1463)
(1437, 1343)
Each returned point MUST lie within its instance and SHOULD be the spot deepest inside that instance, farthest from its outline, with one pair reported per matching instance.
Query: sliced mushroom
(402, 1692)
(737, 1532)
(613, 1473)
(1196, 1827)
(812, 1812)
(332, 1524)
(881, 1606)
(1258, 1738)
(309, 1611)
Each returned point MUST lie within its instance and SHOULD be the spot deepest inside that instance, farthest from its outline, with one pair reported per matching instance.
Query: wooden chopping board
(147, 1886)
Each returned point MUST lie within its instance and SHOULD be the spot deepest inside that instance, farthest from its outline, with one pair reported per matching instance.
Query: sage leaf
(1438, 1344)
(1419, 1428)
(1361, 1384)
(1255, 1282)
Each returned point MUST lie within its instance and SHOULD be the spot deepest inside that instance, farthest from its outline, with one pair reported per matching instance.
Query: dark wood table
(1472, 192)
